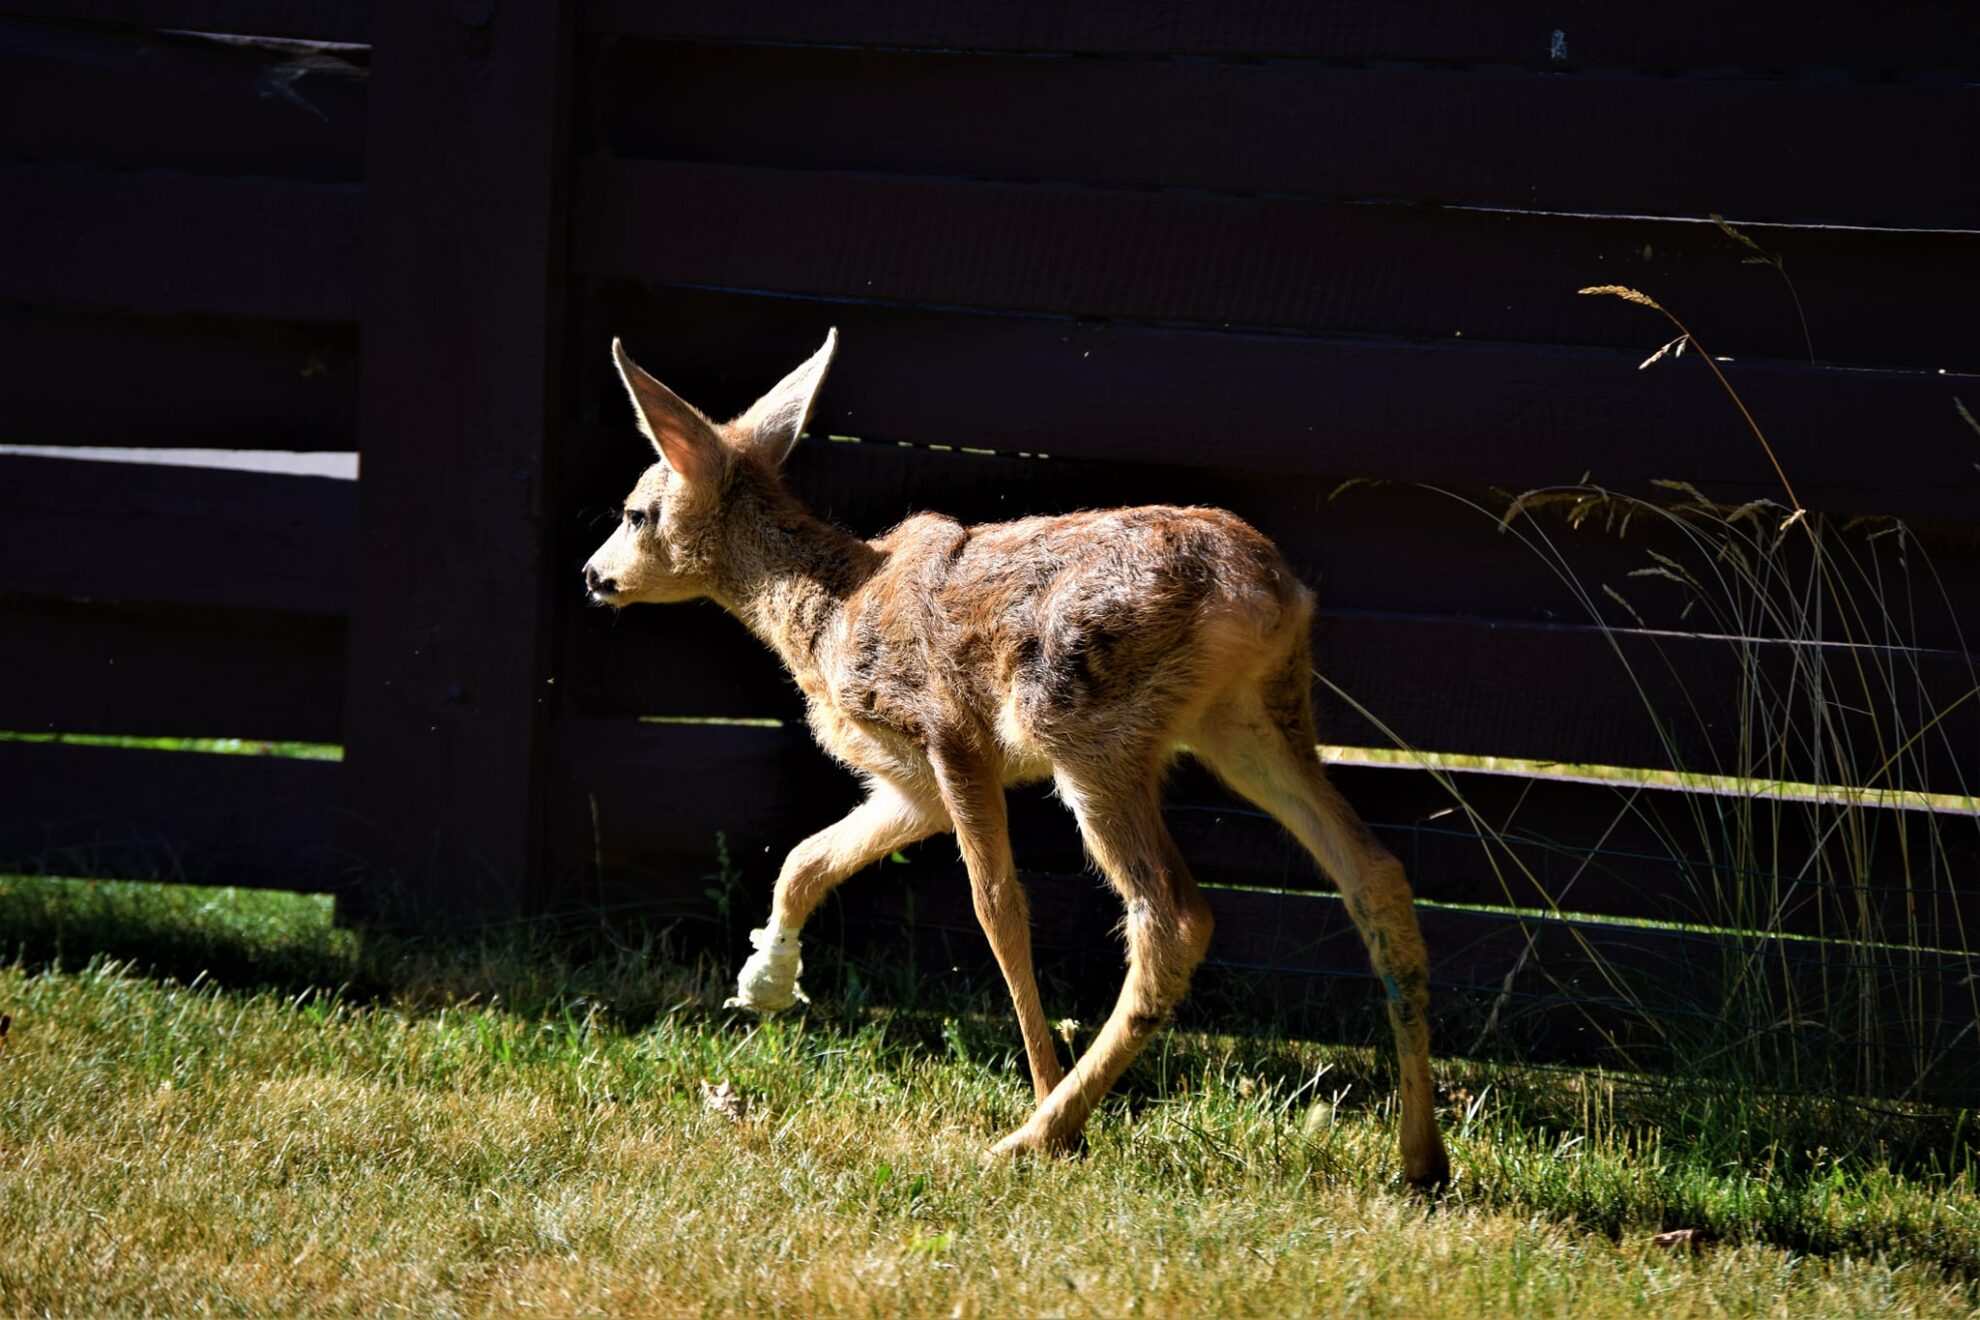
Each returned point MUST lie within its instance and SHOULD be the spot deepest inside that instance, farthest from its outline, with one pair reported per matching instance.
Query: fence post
(448, 668)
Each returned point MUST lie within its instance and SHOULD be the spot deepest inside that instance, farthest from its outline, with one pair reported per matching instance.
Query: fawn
(944, 663)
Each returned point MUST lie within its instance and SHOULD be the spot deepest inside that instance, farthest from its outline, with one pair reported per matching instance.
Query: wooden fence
(1316, 263)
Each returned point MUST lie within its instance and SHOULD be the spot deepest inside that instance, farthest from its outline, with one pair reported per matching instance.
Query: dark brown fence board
(132, 100)
(1476, 687)
(689, 660)
(1663, 701)
(1469, 687)
(1414, 272)
(168, 672)
(346, 21)
(89, 379)
(1834, 152)
(1682, 35)
(1663, 854)
(179, 535)
(620, 790)
(1369, 546)
(261, 822)
(243, 247)
(1335, 407)
(655, 795)
(1573, 847)
(449, 654)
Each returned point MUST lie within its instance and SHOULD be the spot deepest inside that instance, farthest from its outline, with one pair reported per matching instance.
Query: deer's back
(1048, 632)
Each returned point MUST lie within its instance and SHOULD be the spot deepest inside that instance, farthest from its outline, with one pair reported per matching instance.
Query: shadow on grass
(271, 941)
(243, 939)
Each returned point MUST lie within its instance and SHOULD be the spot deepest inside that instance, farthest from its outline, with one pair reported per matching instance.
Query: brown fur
(944, 663)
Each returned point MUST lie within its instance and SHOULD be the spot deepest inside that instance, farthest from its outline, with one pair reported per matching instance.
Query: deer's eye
(635, 518)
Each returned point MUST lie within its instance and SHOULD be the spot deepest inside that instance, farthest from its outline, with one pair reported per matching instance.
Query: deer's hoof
(1033, 1139)
(1428, 1171)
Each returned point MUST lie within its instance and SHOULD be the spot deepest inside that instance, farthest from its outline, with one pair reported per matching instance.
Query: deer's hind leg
(1168, 930)
(1264, 749)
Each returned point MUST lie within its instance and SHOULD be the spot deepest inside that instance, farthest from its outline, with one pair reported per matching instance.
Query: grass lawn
(212, 1100)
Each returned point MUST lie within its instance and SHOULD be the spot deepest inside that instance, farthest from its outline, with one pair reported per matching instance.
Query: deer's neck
(788, 576)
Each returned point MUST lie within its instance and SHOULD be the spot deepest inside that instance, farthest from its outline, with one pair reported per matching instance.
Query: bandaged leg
(887, 820)
(768, 982)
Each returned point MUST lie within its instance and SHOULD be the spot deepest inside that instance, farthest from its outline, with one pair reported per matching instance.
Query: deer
(944, 664)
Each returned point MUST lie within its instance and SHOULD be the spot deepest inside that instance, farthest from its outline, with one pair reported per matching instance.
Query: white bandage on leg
(768, 981)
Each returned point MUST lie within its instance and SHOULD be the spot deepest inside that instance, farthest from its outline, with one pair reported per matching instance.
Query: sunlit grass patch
(301, 751)
(484, 1126)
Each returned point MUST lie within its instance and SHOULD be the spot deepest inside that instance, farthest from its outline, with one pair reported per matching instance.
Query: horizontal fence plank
(1836, 152)
(689, 660)
(1686, 696)
(1369, 546)
(620, 791)
(1414, 272)
(1688, 34)
(1553, 693)
(1557, 846)
(304, 20)
(1879, 1022)
(1322, 407)
(1656, 700)
(170, 672)
(652, 796)
(243, 247)
(260, 822)
(134, 100)
(177, 535)
(1577, 847)
(177, 381)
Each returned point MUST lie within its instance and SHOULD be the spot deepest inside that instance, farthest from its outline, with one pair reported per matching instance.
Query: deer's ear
(685, 440)
(771, 425)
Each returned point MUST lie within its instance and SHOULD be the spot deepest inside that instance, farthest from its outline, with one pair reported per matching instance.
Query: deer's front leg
(887, 820)
(1168, 930)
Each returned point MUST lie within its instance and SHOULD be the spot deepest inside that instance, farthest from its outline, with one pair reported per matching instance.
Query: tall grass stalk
(1815, 612)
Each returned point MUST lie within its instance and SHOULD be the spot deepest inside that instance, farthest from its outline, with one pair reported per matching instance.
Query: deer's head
(669, 540)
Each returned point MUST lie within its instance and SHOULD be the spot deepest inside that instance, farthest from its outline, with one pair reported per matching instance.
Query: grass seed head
(1625, 293)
